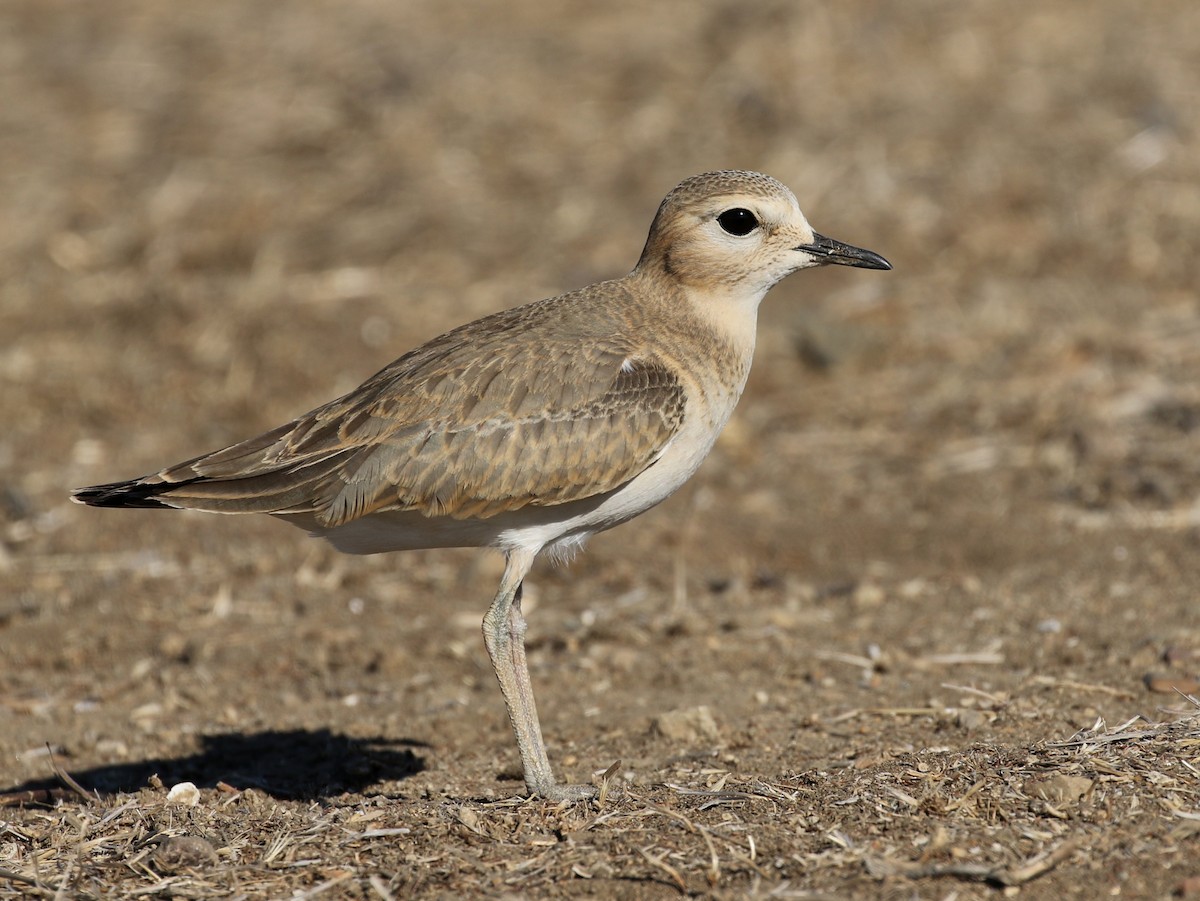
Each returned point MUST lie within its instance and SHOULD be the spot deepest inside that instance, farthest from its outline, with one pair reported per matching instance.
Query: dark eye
(738, 221)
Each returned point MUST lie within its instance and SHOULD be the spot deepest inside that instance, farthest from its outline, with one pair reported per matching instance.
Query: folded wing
(468, 426)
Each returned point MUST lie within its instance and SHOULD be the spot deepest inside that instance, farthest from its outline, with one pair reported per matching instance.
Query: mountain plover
(532, 428)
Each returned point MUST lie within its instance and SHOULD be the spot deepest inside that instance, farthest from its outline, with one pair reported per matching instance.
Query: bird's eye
(738, 221)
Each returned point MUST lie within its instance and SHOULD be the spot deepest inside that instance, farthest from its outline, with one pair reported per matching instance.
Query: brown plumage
(532, 428)
(472, 424)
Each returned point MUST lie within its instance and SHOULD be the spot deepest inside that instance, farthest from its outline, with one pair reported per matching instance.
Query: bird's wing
(468, 426)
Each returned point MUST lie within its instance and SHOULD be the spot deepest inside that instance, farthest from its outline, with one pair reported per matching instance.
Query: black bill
(828, 250)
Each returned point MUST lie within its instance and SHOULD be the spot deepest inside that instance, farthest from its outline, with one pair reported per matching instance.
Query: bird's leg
(504, 635)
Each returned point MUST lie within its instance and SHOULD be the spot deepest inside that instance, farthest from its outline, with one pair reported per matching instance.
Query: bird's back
(538, 405)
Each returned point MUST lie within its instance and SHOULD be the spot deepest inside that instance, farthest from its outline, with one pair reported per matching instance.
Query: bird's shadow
(295, 764)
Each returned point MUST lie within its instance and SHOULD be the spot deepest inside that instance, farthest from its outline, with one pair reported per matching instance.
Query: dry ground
(936, 586)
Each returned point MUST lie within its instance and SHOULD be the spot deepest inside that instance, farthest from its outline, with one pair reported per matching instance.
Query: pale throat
(732, 315)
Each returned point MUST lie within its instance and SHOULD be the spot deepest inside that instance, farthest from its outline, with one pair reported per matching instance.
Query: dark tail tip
(134, 493)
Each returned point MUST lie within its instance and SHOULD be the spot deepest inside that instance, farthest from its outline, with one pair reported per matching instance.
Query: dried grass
(983, 815)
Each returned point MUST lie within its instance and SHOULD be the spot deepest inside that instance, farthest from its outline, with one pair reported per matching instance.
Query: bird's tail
(247, 477)
(134, 493)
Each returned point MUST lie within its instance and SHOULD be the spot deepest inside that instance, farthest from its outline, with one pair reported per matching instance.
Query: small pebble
(184, 793)
(693, 725)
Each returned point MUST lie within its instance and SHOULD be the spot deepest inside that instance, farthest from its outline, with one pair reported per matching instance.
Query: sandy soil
(916, 628)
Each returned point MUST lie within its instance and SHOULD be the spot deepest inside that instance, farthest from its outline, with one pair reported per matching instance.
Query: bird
(533, 428)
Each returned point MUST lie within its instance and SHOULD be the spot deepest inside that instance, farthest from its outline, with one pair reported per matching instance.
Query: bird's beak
(827, 250)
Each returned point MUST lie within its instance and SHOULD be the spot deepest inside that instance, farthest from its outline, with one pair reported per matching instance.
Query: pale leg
(504, 635)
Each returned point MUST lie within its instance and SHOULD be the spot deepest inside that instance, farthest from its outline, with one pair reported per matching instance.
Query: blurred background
(215, 216)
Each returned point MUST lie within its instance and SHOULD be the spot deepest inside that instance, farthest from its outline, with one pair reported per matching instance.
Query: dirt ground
(919, 627)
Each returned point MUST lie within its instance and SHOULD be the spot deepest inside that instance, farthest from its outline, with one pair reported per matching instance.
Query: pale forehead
(726, 183)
